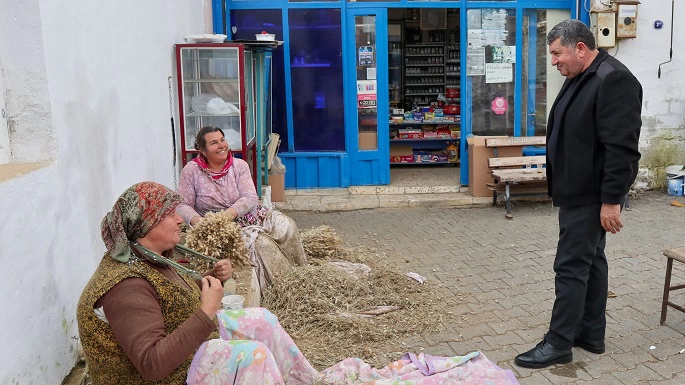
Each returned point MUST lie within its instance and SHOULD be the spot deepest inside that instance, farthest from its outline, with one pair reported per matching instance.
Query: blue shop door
(366, 96)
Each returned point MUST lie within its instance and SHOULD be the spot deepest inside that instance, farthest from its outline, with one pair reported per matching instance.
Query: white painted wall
(87, 89)
(24, 78)
(5, 152)
(663, 112)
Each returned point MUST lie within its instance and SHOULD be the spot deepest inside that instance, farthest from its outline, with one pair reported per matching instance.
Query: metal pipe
(670, 54)
(154, 257)
(186, 250)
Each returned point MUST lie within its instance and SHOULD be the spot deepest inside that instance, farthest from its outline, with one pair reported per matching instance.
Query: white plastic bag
(212, 104)
(277, 167)
(218, 106)
(232, 138)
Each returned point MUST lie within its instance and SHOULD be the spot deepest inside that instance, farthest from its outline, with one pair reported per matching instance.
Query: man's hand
(610, 218)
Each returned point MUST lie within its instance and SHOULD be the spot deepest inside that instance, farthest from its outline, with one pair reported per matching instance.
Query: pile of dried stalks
(320, 243)
(317, 305)
(218, 236)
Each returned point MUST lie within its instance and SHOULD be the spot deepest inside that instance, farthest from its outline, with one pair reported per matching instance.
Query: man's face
(567, 60)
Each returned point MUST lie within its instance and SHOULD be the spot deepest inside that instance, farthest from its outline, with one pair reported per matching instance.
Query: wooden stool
(679, 255)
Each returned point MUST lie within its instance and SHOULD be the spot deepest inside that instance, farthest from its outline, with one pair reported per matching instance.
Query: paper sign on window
(499, 73)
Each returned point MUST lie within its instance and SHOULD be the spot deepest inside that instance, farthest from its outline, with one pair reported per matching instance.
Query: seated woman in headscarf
(141, 322)
(215, 181)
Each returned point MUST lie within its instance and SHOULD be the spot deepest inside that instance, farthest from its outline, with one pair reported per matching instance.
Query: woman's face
(216, 148)
(165, 235)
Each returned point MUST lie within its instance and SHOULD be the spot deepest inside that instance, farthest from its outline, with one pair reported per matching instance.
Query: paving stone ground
(500, 272)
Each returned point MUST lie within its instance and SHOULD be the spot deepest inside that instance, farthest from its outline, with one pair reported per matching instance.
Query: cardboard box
(479, 172)
(422, 158)
(402, 159)
(401, 154)
(401, 150)
(368, 140)
(277, 183)
(443, 132)
(409, 133)
(430, 156)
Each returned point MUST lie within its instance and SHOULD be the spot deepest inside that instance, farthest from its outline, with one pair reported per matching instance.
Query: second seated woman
(216, 180)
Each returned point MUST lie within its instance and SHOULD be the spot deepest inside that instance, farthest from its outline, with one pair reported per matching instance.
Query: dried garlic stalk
(320, 242)
(218, 236)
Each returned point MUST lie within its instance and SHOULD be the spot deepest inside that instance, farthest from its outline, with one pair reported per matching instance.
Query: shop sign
(366, 56)
(499, 105)
(504, 54)
(475, 61)
(367, 101)
(366, 94)
(499, 73)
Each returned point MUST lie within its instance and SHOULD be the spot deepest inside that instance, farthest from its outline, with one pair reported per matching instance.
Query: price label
(367, 103)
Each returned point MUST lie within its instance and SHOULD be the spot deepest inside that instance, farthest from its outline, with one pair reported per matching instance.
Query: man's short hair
(571, 32)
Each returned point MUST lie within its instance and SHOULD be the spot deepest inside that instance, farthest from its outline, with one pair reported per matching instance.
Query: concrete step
(371, 197)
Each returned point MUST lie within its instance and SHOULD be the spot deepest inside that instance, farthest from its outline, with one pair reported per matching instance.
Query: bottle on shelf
(452, 152)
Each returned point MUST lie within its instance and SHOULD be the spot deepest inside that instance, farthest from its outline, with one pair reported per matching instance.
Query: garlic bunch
(218, 236)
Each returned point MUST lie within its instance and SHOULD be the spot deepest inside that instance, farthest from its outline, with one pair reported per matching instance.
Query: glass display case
(212, 92)
(227, 85)
(395, 63)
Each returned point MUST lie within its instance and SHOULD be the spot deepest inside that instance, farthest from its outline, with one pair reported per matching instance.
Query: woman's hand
(194, 220)
(223, 269)
(233, 212)
(212, 292)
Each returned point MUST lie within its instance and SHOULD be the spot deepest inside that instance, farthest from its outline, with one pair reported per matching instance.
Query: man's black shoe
(543, 355)
(597, 348)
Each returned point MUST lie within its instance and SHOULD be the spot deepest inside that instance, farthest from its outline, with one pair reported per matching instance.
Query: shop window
(491, 54)
(317, 84)
(541, 81)
(247, 23)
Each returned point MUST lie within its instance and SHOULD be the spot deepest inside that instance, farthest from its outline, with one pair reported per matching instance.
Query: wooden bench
(520, 175)
(677, 254)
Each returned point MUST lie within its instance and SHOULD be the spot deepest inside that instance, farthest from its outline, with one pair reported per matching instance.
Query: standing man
(592, 160)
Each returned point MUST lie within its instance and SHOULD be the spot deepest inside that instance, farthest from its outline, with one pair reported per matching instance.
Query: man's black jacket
(596, 155)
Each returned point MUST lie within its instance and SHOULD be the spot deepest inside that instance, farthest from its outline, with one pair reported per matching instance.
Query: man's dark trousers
(581, 282)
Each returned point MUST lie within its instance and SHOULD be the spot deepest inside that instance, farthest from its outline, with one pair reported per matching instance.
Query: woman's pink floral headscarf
(140, 208)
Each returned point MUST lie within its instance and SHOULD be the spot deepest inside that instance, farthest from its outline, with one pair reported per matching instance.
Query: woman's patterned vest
(107, 362)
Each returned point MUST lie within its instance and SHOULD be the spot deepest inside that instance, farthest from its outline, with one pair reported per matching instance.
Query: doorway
(424, 87)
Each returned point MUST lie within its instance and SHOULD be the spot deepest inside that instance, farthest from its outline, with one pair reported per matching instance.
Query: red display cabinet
(216, 87)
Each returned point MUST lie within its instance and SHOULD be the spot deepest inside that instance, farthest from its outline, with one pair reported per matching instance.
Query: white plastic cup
(233, 301)
(229, 286)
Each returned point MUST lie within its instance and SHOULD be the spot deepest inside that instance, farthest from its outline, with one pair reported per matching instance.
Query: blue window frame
(304, 136)
(247, 23)
(316, 77)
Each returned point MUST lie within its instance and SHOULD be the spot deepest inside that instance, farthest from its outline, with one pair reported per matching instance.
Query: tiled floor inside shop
(424, 175)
